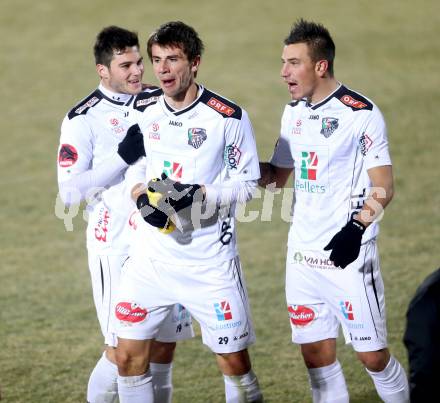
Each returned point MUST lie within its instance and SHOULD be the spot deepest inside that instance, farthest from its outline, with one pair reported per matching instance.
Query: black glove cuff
(358, 225)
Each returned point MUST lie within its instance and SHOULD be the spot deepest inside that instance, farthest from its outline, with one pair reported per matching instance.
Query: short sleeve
(240, 153)
(373, 139)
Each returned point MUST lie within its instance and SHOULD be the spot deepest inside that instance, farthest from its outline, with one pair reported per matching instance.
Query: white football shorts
(105, 271)
(214, 294)
(321, 297)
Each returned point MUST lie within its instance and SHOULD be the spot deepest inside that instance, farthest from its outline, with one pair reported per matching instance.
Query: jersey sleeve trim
(353, 100)
(223, 106)
(146, 99)
(82, 107)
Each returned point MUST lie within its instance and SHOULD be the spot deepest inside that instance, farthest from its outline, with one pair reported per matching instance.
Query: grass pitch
(49, 334)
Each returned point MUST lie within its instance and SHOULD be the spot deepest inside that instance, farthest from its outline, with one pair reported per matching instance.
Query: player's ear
(195, 64)
(321, 67)
(102, 71)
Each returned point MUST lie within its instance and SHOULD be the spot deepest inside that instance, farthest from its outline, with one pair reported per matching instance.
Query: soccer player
(95, 150)
(421, 338)
(201, 159)
(334, 141)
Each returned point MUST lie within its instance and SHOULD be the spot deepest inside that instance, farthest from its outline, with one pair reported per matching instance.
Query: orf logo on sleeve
(301, 315)
(130, 312)
(67, 156)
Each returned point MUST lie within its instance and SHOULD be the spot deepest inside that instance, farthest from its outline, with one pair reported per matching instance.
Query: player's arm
(271, 174)
(75, 183)
(373, 144)
(381, 193)
(276, 172)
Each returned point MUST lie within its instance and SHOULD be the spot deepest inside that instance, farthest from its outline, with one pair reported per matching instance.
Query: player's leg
(161, 367)
(219, 302)
(370, 342)
(105, 272)
(134, 380)
(241, 384)
(315, 328)
(139, 313)
(176, 326)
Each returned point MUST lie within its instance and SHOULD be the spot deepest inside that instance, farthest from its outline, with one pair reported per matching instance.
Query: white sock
(328, 384)
(391, 383)
(242, 389)
(103, 385)
(136, 389)
(162, 382)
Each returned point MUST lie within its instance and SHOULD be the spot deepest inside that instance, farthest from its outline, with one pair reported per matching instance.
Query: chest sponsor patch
(67, 155)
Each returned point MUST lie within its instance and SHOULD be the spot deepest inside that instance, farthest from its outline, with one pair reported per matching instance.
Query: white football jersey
(90, 133)
(330, 146)
(209, 142)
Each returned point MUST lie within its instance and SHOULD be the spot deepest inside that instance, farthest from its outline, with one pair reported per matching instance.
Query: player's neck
(323, 90)
(185, 99)
(110, 93)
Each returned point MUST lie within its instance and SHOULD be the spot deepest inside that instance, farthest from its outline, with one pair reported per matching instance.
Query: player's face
(173, 70)
(125, 72)
(299, 71)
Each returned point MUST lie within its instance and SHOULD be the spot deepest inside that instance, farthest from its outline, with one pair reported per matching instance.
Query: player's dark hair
(317, 38)
(177, 34)
(110, 40)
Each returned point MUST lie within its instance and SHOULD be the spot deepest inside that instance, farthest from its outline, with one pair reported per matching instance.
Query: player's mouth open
(168, 83)
(292, 86)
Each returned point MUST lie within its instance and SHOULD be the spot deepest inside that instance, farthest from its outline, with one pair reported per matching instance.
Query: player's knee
(162, 353)
(374, 360)
(130, 363)
(234, 364)
(319, 354)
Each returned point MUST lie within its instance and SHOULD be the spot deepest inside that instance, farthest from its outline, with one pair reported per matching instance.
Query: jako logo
(128, 312)
(223, 310)
(347, 309)
(174, 123)
(301, 315)
(309, 165)
(173, 170)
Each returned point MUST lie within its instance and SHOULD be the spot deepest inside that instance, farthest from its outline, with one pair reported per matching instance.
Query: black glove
(346, 244)
(131, 148)
(175, 196)
(150, 214)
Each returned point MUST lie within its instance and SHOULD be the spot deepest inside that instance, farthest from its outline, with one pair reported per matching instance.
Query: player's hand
(346, 244)
(175, 196)
(151, 214)
(131, 148)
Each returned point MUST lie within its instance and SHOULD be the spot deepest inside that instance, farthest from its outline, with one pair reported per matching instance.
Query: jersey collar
(325, 100)
(176, 112)
(115, 97)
